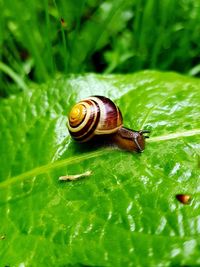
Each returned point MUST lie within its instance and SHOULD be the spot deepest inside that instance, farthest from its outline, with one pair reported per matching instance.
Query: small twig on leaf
(74, 177)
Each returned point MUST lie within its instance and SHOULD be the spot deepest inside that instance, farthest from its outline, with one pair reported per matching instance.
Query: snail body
(98, 115)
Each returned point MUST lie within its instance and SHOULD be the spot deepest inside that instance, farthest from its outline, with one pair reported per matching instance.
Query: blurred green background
(41, 39)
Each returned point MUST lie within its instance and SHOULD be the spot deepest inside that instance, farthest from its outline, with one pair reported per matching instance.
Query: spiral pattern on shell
(95, 115)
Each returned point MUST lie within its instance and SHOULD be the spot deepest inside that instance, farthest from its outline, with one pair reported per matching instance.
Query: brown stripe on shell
(112, 119)
(87, 130)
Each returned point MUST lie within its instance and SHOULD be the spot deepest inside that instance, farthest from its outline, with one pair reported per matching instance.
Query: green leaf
(126, 212)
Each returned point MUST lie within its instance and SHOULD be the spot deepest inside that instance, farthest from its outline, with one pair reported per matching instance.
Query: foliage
(40, 38)
(125, 213)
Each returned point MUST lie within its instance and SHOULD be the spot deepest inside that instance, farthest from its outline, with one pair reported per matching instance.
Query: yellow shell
(77, 114)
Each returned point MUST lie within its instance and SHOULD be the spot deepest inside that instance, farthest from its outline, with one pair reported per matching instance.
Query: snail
(99, 116)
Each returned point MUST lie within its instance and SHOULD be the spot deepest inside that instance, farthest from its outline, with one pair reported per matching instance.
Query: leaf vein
(53, 165)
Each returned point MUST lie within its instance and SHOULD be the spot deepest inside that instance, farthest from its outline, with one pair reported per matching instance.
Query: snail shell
(95, 115)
